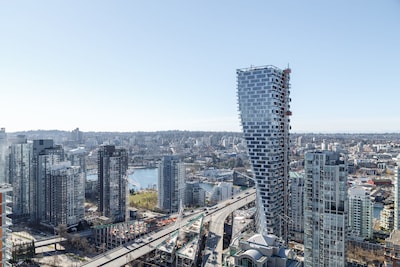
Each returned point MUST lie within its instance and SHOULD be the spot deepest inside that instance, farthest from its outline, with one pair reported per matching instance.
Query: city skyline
(132, 66)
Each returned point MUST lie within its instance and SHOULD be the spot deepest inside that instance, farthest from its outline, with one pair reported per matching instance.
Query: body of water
(143, 178)
(138, 178)
(146, 178)
(377, 212)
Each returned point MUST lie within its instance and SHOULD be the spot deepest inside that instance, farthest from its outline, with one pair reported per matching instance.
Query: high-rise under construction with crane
(263, 99)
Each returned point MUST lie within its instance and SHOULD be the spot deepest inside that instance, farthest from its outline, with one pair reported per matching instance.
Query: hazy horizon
(176, 130)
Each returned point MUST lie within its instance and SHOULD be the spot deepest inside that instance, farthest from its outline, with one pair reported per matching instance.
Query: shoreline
(142, 167)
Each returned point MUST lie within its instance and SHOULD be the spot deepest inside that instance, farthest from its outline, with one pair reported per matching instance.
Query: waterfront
(138, 179)
(144, 178)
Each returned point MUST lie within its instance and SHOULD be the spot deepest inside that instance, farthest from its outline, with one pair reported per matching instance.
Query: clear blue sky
(171, 65)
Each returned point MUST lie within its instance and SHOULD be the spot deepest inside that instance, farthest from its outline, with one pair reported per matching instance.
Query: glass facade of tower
(45, 154)
(112, 182)
(171, 183)
(21, 174)
(325, 209)
(3, 153)
(263, 98)
(296, 206)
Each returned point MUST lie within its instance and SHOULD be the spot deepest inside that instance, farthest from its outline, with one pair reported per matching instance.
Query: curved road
(125, 254)
(214, 247)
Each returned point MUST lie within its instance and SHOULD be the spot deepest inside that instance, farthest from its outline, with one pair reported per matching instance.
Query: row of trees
(144, 200)
(22, 252)
(75, 243)
(365, 256)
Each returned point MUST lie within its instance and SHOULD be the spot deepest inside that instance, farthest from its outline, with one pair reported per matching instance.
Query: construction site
(110, 236)
(182, 248)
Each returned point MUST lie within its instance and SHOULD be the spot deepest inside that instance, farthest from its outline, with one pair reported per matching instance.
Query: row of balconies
(9, 199)
(6, 221)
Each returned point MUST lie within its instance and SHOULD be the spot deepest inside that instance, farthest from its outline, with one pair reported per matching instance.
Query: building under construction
(181, 248)
(109, 236)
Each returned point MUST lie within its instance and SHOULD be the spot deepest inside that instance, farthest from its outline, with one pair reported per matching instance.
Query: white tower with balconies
(325, 209)
(396, 195)
(360, 212)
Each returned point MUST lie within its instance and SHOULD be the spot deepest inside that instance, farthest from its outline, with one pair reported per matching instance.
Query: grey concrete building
(171, 183)
(65, 201)
(21, 175)
(112, 182)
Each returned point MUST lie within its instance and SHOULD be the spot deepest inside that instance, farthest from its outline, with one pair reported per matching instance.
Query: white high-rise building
(325, 209)
(3, 154)
(65, 202)
(21, 175)
(263, 98)
(222, 191)
(171, 184)
(45, 154)
(360, 212)
(296, 206)
(5, 224)
(396, 195)
(299, 143)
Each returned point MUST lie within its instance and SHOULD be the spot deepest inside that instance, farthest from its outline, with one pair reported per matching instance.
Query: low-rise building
(222, 191)
(261, 251)
(360, 212)
(194, 195)
(387, 218)
(392, 249)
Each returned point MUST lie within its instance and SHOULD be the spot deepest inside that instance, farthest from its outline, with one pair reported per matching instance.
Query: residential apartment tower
(112, 182)
(360, 212)
(5, 223)
(171, 183)
(263, 98)
(21, 175)
(325, 209)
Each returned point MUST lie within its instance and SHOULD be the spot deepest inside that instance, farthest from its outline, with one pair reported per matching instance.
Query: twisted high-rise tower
(263, 96)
